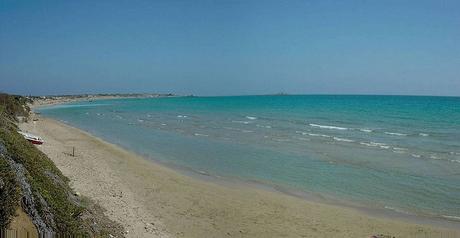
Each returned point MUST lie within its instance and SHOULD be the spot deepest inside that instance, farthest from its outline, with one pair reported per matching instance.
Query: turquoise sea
(400, 153)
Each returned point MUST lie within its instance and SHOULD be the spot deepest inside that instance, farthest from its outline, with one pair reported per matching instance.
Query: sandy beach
(151, 200)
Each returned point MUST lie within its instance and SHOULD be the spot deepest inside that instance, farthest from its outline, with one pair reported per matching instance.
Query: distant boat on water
(32, 138)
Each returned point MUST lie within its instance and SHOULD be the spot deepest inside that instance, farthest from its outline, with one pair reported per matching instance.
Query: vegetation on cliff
(30, 179)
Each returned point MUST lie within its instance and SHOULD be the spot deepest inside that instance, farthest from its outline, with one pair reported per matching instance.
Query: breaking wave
(328, 127)
(342, 139)
(395, 133)
(318, 135)
(198, 134)
(366, 130)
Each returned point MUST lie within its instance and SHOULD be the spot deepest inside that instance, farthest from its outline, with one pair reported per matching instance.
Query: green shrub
(9, 193)
(46, 181)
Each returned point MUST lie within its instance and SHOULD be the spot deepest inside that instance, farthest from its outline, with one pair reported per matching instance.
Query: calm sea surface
(392, 152)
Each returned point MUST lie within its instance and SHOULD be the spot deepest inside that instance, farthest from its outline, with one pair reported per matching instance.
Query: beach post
(73, 151)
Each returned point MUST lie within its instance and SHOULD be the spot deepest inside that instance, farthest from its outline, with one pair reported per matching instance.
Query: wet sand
(151, 200)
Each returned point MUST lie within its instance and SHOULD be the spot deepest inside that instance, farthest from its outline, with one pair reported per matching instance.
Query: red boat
(32, 138)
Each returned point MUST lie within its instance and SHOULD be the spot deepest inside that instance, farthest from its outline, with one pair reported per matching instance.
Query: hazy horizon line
(236, 95)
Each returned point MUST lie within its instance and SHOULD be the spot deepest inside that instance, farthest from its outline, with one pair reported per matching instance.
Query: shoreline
(372, 211)
(237, 192)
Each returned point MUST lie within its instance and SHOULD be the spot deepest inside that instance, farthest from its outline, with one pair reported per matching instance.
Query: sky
(230, 47)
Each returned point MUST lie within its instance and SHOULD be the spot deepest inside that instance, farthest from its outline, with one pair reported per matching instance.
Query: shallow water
(393, 152)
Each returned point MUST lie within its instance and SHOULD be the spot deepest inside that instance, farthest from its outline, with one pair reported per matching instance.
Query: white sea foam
(366, 130)
(372, 144)
(262, 126)
(312, 134)
(397, 210)
(198, 134)
(423, 134)
(328, 127)
(378, 143)
(451, 217)
(385, 147)
(140, 120)
(246, 131)
(343, 139)
(163, 124)
(395, 134)
(242, 122)
(251, 118)
(366, 144)
(399, 148)
(203, 172)
(318, 135)
(301, 132)
(455, 160)
(416, 155)
(181, 116)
